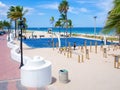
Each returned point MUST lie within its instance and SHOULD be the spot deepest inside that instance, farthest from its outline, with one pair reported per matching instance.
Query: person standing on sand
(74, 45)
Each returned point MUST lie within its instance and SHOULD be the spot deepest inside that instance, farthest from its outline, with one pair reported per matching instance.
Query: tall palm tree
(15, 13)
(113, 20)
(63, 9)
(70, 26)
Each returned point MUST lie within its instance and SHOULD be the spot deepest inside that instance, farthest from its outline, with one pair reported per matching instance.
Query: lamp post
(21, 46)
(95, 26)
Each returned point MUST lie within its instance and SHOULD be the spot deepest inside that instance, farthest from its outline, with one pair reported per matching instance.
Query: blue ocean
(75, 30)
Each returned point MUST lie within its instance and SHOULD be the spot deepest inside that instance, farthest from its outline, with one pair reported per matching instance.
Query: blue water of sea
(83, 30)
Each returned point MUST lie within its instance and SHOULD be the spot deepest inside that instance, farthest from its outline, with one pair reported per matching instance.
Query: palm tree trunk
(66, 27)
(15, 28)
(59, 30)
(70, 32)
(119, 39)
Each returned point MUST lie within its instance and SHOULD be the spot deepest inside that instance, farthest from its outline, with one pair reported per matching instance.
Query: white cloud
(2, 5)
(73, 10)
(3, 9)
(41, 14)
(50, 6)
(77, 10)
(105, 6)
(85, 2)
(83, 10)
(30, 10)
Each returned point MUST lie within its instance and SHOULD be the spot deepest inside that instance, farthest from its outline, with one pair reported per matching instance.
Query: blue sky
(81, 12)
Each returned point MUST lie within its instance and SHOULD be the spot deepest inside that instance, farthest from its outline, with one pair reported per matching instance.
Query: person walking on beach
(74, 45)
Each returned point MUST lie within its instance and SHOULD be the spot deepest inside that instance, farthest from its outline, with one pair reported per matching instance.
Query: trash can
(63, 76)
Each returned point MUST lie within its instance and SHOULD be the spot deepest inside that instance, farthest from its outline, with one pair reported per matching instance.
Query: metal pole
(95, 26)
(21, 46)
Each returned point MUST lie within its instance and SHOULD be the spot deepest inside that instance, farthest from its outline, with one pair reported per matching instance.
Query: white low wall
(15, 53)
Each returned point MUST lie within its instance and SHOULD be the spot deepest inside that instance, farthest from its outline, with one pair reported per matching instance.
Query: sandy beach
(95, 73)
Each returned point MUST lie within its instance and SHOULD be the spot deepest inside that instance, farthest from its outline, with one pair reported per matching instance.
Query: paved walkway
(9, 69)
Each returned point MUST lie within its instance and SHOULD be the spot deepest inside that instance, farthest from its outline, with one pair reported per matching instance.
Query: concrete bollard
(82, 50)
(90, 46)
(95, 47)
(87, 54)
(57, 45)
(116, 62)
(70, 54)
(78, 58)
(82, 58)
(85, 44)
(64, 53)
(53, 45)
(69, 45)
(101, 48)
(105, 53)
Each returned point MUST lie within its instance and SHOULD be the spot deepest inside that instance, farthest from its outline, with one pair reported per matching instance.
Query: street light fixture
(21, 46)
(95, 26)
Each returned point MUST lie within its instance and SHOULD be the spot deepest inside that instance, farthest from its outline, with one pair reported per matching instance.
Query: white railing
(15, 52)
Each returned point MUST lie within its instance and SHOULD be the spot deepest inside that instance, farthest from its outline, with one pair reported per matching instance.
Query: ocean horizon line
(62, 27)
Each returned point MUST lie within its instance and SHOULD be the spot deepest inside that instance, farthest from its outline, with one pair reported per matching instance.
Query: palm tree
(52, 21)
(58, 24)
(70, 26)
(25, 25)
(15, 13)
(1, 25)
(113, 20)
(63, 9)
(7, 25)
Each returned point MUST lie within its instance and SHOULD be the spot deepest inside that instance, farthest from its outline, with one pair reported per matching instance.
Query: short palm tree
(15, 13)
(52, 21)
(58, 24)
(1, 25)
(7, 25)
(70, 26)
(113, 20)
